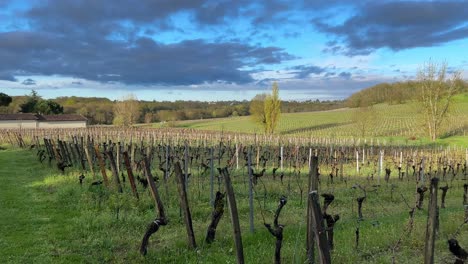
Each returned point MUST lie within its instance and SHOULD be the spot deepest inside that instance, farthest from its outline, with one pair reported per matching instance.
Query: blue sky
(223, 50)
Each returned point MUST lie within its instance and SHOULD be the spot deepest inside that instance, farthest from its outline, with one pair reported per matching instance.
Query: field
(61, 200)
(396, 124)
(48, 217)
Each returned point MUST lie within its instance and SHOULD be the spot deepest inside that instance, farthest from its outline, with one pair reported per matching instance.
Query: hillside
(399, 122)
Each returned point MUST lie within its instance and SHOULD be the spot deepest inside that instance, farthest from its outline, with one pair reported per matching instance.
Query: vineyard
(181, 196)
(401, 123)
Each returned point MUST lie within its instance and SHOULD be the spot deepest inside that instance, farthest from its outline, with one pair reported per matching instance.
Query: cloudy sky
(223, 50)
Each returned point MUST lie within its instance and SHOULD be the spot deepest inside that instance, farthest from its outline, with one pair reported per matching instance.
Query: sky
(223, 50)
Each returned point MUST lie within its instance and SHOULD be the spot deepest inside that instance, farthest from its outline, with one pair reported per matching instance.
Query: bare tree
(127, 111)
(364, 119)
(436, 91)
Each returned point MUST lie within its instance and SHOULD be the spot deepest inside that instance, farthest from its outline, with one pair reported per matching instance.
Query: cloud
(6, 76)
(303, 71)
(345, 75)
(29, 82)
(397, 25)
(143, 61)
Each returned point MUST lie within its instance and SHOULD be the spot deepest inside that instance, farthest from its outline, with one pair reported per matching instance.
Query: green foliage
(127, 111)
(31, 102)
(58, 221)
(272, 109)
(35, 104)
(393, 93)
(5, 99)
(257, 110)
(48, 107)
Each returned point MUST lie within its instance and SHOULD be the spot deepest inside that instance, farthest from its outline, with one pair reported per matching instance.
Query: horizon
(225, 51)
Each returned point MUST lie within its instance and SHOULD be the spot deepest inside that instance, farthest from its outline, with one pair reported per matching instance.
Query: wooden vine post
(431, 226)
(101, 165)
(131, 178)
(251, 211)
(313, 186)
(320, 234)
(162, 220)
(234, 216)
(184, 205)
(115, 173)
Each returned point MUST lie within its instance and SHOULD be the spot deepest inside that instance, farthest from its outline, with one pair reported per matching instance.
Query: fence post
(431, 226)
(184, 205)
(130, 174)
(101, 165)
(320, 235)
(234, 216)
(313, 186)
(251, 210)
(110, 156)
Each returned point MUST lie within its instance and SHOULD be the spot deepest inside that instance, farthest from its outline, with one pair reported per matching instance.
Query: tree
(272, 109)
(257, 110)
(127, 111)
(48, 107)
(364, 119)
(5, 99)
(30, 105)
(265, 109)
(436, 91)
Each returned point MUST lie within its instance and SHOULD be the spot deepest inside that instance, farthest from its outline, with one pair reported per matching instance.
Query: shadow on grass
(312, 128)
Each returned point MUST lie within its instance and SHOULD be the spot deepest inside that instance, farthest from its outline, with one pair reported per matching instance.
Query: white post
(237, 157)
(380, 164)
(401, 158)
(281, 157)
(357, 161)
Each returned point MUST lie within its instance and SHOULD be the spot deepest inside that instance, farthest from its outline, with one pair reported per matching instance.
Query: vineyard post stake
(380, 164)
(110, 156)
(186, 167)
(251, 211)
(317, 224)
(185, 205)
(212, 176)
(357, 162)
(431, 223)
(88, 158)
(130, 174)
(101, 165)
(313, 186)
(234, 216)
(281, 157)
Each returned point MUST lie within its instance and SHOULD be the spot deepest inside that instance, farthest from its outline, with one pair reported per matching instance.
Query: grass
(400, 124)
(49, 218)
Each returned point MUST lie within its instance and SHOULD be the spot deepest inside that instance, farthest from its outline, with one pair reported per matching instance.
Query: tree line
(394, 93)
(105, 111)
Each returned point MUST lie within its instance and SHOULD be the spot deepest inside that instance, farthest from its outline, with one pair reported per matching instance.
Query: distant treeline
(101, 110)
(391, 93)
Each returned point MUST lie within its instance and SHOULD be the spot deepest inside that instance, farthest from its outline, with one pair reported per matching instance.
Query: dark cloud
(303, 71)
(345, 75)
(143, 61)
(398, 25)
(29, 82)
(6, 76)
(77, 83)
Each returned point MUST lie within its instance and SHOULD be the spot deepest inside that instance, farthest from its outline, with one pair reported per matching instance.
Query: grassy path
(32, 224)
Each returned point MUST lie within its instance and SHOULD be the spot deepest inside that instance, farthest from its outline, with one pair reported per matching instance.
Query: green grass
(400, 124)
(47, 217)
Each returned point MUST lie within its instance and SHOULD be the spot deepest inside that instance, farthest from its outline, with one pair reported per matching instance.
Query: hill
(394, 122)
